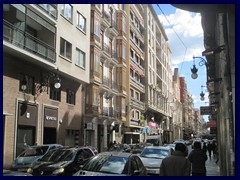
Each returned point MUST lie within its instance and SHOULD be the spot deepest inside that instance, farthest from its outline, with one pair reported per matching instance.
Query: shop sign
(51, 118)
(211, 124)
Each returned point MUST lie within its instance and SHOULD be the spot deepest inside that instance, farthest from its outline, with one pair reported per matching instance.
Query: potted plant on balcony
(142, 120)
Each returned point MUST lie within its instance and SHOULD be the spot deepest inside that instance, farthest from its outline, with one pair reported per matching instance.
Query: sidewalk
(212, 168)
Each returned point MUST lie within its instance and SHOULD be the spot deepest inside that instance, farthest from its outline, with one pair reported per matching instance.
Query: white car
(152, 157)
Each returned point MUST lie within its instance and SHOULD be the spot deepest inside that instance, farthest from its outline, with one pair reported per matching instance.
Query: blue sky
(187, 42)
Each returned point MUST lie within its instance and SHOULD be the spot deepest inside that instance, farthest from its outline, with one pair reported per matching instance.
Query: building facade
(44, 76)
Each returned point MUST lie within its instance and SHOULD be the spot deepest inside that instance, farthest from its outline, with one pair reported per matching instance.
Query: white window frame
(65, 44)
(81, 59)
(67, 11)
(81, 22)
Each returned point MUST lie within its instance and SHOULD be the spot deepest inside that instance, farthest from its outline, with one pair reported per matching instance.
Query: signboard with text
(206, 110)
(211, 124)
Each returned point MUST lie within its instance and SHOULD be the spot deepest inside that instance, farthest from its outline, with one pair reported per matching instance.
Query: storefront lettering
(51, 118)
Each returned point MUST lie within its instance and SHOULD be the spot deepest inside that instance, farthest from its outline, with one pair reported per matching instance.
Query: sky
(185, 36)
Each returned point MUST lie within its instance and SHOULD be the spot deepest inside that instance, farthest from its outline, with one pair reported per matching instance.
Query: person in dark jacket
(198, 159)
(176, 164)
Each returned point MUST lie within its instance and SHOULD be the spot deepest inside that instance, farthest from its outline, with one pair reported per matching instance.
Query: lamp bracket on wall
(46, 79)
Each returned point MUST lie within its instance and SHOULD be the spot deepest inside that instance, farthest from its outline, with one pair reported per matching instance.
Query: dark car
(113, 164)
(30, 156)
(64, 161)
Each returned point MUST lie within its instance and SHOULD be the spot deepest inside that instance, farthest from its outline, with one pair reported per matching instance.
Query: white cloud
(189, 38)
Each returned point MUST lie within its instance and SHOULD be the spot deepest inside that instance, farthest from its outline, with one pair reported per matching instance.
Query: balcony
(27, 42)
(110, 112)
(105, 20)
(137, 85)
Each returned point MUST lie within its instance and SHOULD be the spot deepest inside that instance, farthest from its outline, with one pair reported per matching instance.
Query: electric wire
(176, 35)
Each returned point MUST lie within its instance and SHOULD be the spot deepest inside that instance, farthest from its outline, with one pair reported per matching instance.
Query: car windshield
(34, 151)
(57, 155)
(155, 153)
(106, 164)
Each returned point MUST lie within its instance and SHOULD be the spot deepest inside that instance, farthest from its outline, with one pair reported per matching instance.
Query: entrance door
(49, 135)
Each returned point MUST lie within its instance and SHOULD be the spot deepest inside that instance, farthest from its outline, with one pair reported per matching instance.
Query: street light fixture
(194, 69)
(202, 94)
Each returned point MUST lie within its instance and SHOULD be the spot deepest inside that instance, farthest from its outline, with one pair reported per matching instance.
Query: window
(97, 26)
(65, 49)
(81, 22)
(70, 96)
(124, 51)
(29, 82)
(66, 11)
(80, 61)
(124, 24)
(55, 94)
(96, 62)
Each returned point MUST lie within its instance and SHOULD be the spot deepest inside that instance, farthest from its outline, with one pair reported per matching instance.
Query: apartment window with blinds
(81, 58)
(70, 96)
(81, 22)
(66, 11)
(65, 49)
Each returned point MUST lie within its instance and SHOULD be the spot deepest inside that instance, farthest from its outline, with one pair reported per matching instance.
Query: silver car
(28, 157)
(152, 157)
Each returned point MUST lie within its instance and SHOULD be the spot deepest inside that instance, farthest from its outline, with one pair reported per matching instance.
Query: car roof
(116, 153)
(157, 147)
(44, 145)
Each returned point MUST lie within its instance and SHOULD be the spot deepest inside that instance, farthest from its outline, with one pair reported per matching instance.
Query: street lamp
(194, 69)
(202, 94)
(44, 82)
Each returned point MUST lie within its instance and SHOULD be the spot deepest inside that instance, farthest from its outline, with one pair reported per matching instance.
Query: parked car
(14, 173)
(138, 148)
(120, 147)
(113, 164)
(64, 161)
(93, 149)
(152, 156)
(155, 140)
(30, 156)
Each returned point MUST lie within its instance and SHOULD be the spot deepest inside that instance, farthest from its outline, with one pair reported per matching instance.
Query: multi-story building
(136, 73)
(106, 97)
(184, 101)
(158, 74)
(176, 107)
(45, 74)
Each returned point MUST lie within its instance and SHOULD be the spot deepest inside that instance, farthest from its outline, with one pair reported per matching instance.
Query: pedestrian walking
(198, 159)
(176, 164)
(204, 147)
(209, 149)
